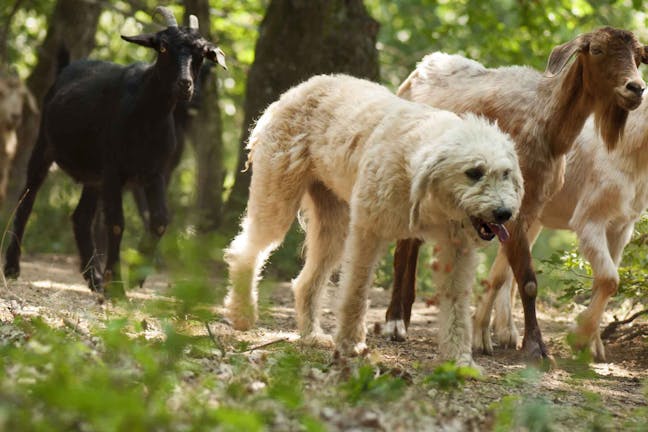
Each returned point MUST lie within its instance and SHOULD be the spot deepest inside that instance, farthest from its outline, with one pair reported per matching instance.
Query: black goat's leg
(155, 192)
(139, 195)
(82, 221)
(37, 169)
(114, 219)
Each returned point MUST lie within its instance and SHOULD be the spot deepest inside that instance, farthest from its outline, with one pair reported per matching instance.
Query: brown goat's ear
(644, 57)
(149, 40)
(216, 55)
(561, 54)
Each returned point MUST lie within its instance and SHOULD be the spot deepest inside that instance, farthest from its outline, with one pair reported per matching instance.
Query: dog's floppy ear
(421, 182)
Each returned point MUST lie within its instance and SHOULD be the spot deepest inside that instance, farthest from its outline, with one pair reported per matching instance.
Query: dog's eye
(475, 173)
(506, 174)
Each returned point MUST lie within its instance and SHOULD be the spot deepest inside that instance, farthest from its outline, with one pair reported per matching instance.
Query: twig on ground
(215, 339)
(263, 345)
(612, 327)
(75, 327)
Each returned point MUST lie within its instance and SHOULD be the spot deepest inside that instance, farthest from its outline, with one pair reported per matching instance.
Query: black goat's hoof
(11, 271)
(95, 282)
(113, 288)
(114, 291)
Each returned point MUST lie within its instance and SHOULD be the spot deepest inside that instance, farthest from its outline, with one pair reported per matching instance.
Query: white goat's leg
(361, 253)
(594, 247)
(505, 331)
(617, 239)
(458, 263)
(326, 229)
(496, 279)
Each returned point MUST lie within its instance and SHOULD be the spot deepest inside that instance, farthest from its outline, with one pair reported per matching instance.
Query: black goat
(109, 126)
(182, 119)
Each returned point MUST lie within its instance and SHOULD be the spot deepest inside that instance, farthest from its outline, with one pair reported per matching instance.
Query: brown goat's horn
(193, 22)
(168, 16)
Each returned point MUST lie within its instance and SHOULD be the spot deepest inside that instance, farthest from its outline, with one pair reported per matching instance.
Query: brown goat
(543, 114)
(13, 97)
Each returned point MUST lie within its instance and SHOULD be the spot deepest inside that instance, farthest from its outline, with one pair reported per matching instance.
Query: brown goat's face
(611, 58)
(12, 96)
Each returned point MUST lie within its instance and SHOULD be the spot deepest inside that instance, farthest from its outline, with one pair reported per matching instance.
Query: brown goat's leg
(82, 223)
(114, 219)
(519, 257)
(158, 219)
(39, 164)
(404, 289)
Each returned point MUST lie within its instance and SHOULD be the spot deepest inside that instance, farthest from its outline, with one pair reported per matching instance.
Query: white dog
(368, 167)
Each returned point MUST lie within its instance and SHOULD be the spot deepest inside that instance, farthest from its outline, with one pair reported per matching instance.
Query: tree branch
(612, 327)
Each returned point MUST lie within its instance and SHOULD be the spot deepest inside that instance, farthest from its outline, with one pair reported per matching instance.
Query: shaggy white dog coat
(368, 167)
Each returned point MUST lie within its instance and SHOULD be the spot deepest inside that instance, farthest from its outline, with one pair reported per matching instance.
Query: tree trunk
(205, 132)
(299, 39)
(72, 26)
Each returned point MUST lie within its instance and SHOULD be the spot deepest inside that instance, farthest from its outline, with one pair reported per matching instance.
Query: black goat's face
(181, 51)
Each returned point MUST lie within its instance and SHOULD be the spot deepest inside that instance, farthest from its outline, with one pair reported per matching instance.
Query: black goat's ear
(216, 55)
(149, 40)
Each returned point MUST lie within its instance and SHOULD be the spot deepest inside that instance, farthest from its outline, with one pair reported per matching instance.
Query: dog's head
(474, 175)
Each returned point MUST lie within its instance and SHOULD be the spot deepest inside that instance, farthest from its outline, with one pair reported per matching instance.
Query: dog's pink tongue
(500, 230)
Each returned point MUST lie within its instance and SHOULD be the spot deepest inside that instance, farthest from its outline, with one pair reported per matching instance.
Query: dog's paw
(347, 349)
(482, 340)
(395, 330)
(466, 360)
(242, 314)
(241, 318)
(318, 339)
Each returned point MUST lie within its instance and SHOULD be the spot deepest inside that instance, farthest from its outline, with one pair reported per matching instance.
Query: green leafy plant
(367, 383)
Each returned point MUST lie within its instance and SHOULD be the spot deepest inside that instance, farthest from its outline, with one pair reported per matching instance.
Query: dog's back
(322, 127)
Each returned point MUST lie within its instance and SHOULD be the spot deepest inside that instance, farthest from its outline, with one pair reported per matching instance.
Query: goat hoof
(113, 288)
(536, 352)
(12, 271)
(95, 282)
(395, 330)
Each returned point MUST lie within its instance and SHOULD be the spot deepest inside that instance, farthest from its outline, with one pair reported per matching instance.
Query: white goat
(604, 194)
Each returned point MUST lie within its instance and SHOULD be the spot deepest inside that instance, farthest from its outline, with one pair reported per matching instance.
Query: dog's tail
(257, 130)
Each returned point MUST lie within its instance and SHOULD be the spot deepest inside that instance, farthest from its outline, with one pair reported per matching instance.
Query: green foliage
(368, 383)
(448, 376)
(574, 273)
(495, 33)
(117, 379)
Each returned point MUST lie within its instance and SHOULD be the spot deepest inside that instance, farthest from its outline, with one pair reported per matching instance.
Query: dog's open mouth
(487, 231)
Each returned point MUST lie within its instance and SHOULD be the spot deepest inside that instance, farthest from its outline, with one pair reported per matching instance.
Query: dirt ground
(51, 287)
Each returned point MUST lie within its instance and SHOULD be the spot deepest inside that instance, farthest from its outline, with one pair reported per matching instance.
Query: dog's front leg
(362, 250)
(457, 266)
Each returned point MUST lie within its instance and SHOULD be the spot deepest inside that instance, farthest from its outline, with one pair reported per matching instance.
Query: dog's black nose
(502, 214)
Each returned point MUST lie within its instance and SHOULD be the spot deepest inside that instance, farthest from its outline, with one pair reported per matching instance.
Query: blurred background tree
(272, 45)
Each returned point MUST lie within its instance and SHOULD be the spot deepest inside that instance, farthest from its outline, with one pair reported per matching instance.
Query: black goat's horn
(193, 22)
(168, 16)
